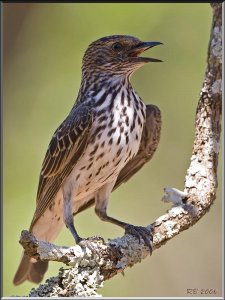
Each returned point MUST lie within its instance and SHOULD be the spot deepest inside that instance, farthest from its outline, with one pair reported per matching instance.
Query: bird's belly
(93, 171)
(114, 139)
(103, 160)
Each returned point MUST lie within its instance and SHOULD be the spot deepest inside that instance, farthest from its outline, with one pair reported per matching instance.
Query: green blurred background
(43, 48)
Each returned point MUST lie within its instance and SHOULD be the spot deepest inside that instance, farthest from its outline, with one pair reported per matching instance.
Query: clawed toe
(140, 232)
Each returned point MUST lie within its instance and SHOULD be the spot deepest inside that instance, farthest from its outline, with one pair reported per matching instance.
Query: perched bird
(107, 137)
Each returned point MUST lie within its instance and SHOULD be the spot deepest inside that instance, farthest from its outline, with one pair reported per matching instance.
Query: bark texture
(90, 268)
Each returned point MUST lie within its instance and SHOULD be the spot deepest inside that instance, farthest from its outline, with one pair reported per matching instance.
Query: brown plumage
(107, 137)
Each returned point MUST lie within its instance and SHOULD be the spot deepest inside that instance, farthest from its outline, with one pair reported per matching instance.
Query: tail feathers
(28, 270)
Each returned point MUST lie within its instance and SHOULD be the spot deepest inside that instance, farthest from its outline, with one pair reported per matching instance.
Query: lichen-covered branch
(90, 267)
(201, 178)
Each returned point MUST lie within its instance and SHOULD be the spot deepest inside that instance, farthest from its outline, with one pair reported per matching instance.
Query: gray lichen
(80, 282)
(174, 195)
(217, 86)
(216, 43)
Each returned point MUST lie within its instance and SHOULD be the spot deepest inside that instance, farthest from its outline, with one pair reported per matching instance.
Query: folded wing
(66, 146)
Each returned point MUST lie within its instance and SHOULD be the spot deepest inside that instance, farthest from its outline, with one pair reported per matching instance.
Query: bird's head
(116, 54)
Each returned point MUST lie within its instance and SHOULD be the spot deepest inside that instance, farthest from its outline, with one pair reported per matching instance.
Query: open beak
(134, 53)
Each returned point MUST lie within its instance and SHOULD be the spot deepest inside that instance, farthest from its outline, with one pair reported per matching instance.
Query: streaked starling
(107, 137)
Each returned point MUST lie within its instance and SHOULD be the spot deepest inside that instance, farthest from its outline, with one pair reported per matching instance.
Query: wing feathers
(67, 145)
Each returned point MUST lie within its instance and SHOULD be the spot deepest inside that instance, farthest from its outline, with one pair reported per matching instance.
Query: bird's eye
(117, 47)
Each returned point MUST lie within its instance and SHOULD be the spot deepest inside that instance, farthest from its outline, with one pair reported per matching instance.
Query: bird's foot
(140, 232)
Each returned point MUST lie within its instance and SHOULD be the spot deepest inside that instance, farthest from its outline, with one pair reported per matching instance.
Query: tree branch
(90, 268)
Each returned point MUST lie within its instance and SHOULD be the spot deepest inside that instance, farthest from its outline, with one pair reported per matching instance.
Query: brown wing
(66, 146)
(149, 142)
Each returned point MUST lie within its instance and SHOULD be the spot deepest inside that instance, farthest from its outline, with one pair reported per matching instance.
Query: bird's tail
(46, 228)
(31, 270)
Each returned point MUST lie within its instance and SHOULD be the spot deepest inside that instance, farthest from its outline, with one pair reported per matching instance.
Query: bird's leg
(101, 201)
(137, 231)
(68, 216)
(69, 221)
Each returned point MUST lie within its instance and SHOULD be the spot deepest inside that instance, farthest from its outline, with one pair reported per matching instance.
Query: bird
(108, 135)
